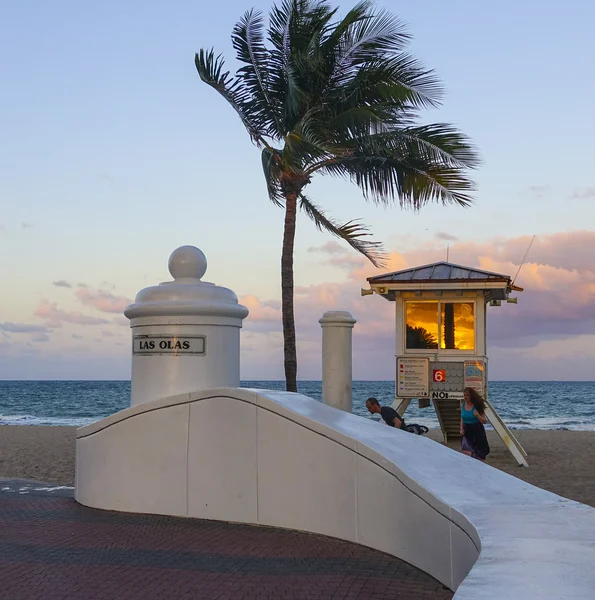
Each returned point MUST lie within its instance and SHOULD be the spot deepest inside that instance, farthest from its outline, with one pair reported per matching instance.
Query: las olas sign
(169, 344)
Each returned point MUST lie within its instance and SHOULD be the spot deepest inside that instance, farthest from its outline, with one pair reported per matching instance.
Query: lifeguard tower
(441, 339)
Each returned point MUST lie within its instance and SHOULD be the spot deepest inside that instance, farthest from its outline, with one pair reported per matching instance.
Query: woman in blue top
(473, 419)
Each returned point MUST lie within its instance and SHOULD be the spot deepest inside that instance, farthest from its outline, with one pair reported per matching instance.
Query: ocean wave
(544, 423)
(47, 421)
(552, 423)
(521, 405)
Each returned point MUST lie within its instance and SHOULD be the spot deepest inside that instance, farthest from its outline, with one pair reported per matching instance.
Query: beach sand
(562, 462)
(40, 453)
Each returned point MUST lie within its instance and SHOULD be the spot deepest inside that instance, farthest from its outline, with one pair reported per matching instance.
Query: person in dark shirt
(390, 415)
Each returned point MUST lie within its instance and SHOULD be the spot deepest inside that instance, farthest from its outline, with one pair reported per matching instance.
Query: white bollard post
(185, 333)
(337, 329)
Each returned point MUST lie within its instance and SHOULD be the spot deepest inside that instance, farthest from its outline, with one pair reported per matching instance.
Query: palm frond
(308, 142)
(359, 12)
(282, 80)
(400, 81)
(368, 36)
(353, 232)
(295, 31)
(414, 165)
(437, 143)
(248, 42)
(441, 143)
(210, 70)
(411, 181)
(272, 173)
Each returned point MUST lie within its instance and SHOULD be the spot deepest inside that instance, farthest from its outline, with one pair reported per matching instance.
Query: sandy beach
(560, 461)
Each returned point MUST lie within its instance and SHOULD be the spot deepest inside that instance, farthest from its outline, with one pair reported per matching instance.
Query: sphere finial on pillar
(187, 262)
(185, 332)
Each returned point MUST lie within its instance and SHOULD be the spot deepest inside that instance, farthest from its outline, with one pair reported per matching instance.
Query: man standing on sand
(390, 415)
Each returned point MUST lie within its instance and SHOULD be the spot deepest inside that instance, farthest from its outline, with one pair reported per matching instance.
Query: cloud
(102, 300)
(22, 328)
(30, 349)
(106, 333)
(40, 337)
(328, 248)
(56, 316)
(62, 283)
(82, 285)
(538, 191)
(340, 256)
(556, 308)
(26, 225)
(262, 312)
(587, 192)
(447, 237)
(77, 337)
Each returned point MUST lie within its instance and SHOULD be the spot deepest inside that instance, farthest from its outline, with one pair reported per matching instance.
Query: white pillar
(337, 329)
(185, 333)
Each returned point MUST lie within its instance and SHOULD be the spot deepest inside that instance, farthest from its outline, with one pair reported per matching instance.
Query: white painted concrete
(184, 312)
(337, 329)
(281, 459)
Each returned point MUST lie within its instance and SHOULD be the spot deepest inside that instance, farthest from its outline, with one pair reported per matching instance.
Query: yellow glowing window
(448, 325)
(422, 325)
(457, 326)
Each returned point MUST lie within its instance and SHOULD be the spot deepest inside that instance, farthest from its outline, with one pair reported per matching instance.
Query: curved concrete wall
(284, 460)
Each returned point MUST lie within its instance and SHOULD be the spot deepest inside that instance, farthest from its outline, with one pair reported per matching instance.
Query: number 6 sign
(439, 375)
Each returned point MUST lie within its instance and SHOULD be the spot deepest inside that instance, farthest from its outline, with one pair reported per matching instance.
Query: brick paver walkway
(51, 548)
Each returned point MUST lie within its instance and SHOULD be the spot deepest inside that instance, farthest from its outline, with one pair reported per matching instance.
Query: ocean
(522, 404)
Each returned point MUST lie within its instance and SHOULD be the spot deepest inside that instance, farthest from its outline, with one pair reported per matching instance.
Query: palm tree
(420, 337)
(338, 97)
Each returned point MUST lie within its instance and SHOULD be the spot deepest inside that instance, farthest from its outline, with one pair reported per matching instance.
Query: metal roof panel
(440, 271)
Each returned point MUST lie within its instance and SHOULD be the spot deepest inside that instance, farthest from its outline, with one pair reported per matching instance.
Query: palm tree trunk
(449, 326)
(289, 347)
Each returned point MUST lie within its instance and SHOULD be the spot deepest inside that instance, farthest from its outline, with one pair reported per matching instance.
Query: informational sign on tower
(475, 375)
(413, 377)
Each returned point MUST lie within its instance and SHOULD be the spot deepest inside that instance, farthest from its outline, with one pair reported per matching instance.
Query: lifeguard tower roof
(440, 272)
(441, 276)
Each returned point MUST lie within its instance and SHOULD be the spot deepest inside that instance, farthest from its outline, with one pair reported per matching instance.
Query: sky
(113, 153)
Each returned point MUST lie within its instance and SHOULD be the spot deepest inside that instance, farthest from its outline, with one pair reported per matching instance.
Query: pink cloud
(558, 303)
(56, 316)
(588, 192)
(102, 300)
(262, 311)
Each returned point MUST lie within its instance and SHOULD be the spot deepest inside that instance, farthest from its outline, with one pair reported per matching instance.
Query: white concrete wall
(156, 376)
(284, 460)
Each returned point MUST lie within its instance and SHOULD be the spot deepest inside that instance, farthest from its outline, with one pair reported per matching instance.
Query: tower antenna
(523, 261)
(447, 249)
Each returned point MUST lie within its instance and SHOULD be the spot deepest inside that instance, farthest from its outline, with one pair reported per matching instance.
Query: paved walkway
(51, 548)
